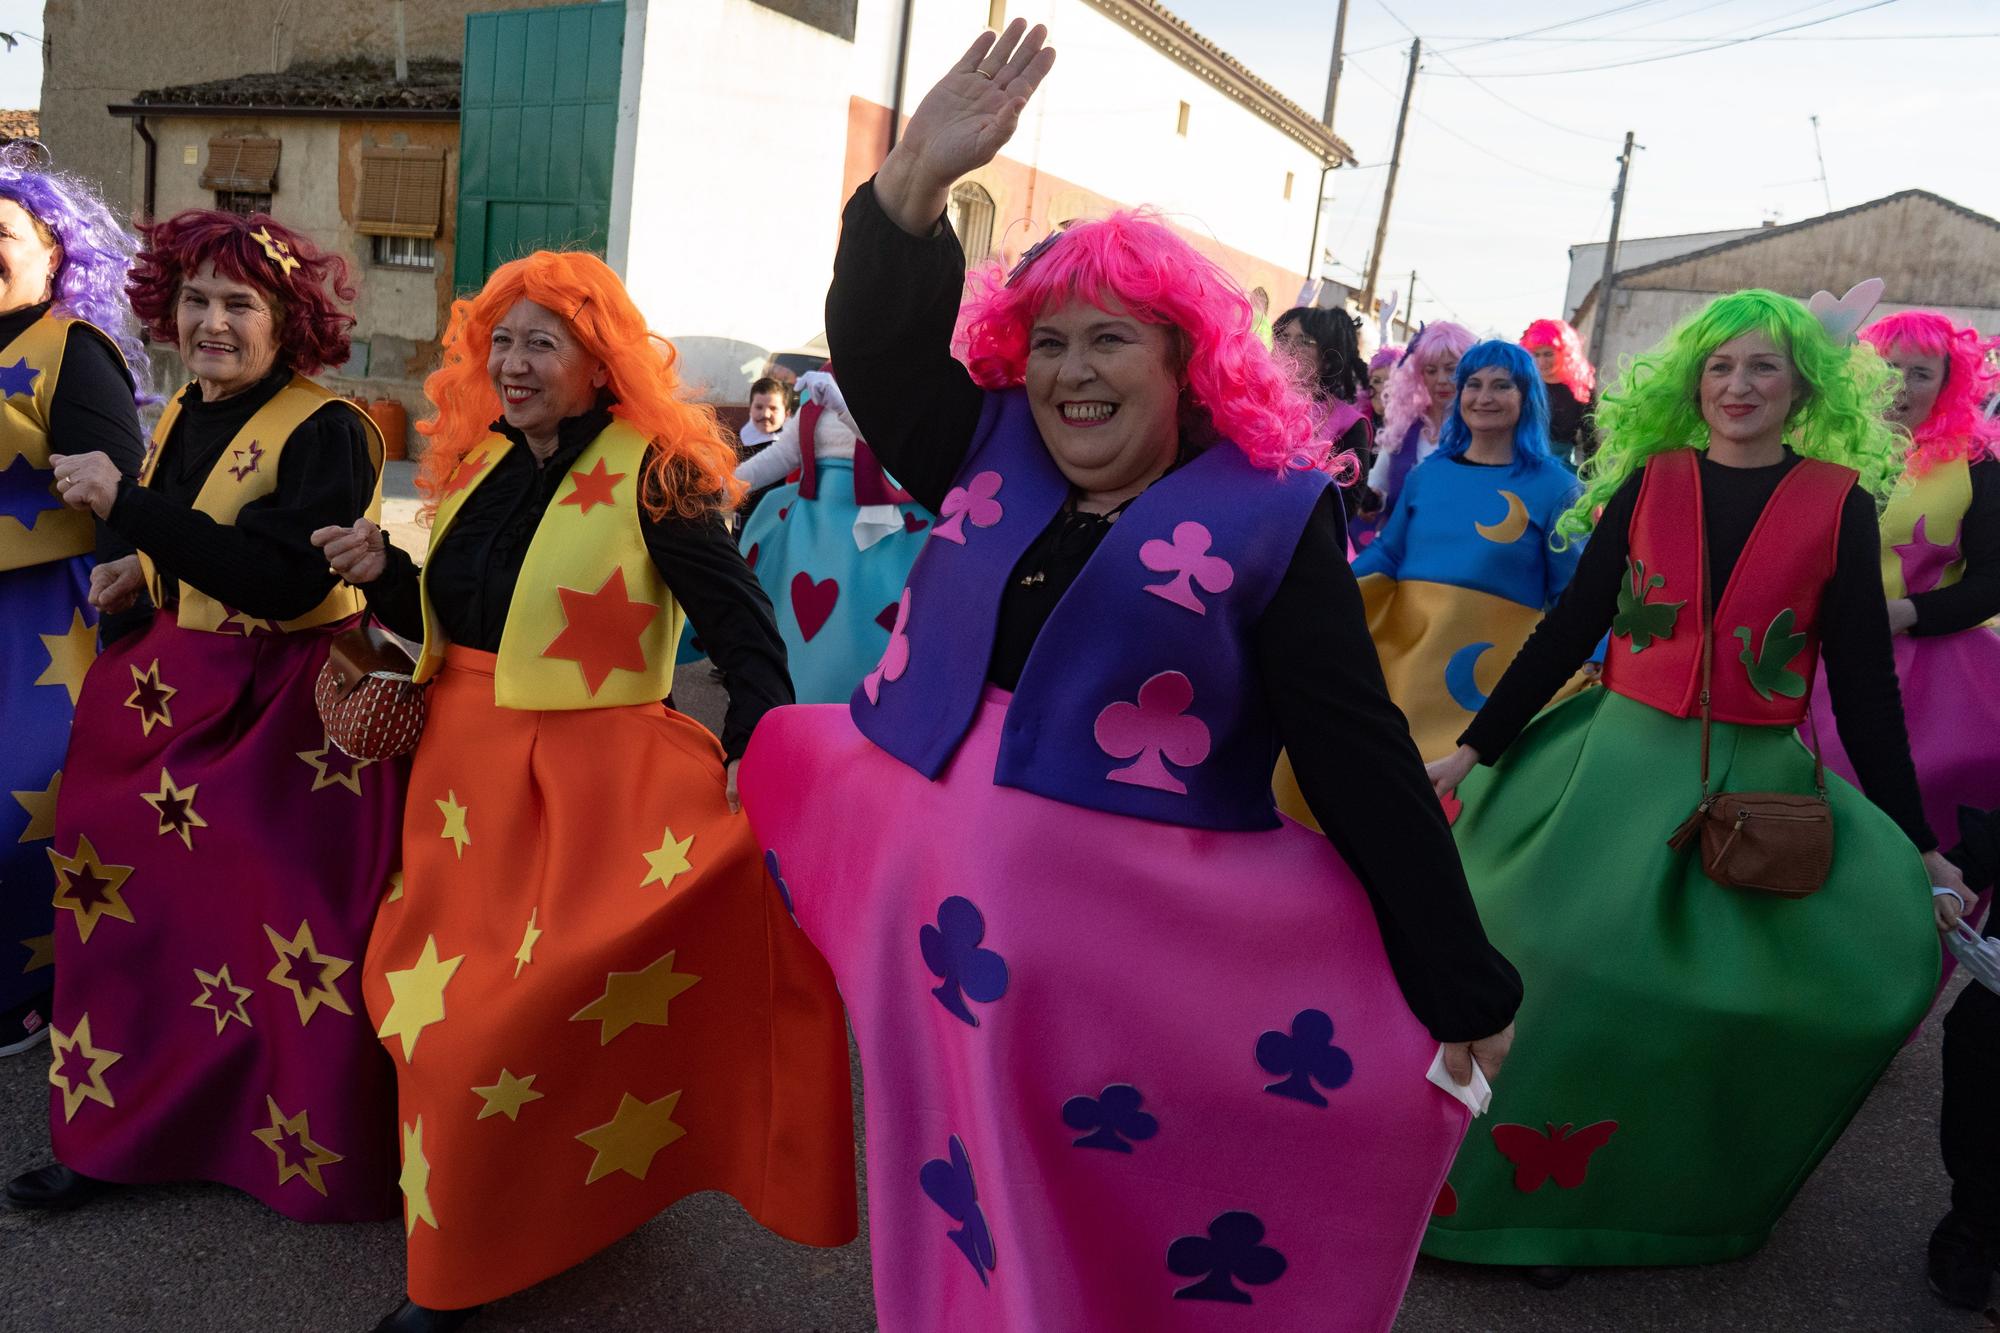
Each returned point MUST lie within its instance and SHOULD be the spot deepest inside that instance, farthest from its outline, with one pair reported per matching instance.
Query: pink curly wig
(1236, 388)
(1405, 400)
(1572, 369)
(1956, 427)
(311, 328)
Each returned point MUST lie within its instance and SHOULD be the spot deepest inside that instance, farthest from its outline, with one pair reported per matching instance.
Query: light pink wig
(1956, 427)
(1235, 386)
(1572, 368)
(1405, 400)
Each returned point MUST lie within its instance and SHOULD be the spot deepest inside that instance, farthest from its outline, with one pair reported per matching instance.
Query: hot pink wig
(1572, 368)
(1405, 400)
(1955, 428)
(1235, 386)
(303, 281)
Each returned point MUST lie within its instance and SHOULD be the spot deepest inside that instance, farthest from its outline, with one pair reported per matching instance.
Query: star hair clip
(281, 254)
(1842, 318)
(1035, 251)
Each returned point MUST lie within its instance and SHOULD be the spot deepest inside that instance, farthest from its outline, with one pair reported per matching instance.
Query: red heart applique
(911, 523)
(782, 512)
(886, 617)
(1453, 807)
(812, 602)
(750, 556)
(1447, 1202)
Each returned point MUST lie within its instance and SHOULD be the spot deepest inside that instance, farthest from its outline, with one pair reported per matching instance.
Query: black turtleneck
(264, 564)
(474, 569)
(93, 410)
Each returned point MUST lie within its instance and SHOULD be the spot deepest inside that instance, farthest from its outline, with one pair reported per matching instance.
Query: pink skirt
(1119, 1074)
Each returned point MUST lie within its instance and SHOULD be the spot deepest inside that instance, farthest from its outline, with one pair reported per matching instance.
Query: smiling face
(1748, 388)
(1441, 379)
(29, 258)
(541, 371)
(228, 332)
(1923, 377)
(1104, 388)
(1490, 402)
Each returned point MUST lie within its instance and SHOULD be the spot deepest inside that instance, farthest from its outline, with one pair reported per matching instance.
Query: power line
(1551, 27)
(1511, 106)
(1482, 148)
(1673, 55)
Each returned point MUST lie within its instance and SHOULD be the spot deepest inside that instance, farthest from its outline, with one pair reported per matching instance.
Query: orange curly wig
(690, 468)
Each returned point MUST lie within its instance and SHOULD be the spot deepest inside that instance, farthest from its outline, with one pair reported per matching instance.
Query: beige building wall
(103, 52)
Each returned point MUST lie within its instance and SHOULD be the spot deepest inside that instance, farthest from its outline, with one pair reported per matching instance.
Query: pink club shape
(1188, 560)
(895, 658)
(974, 502)
(1155, 728)
(1924, 561)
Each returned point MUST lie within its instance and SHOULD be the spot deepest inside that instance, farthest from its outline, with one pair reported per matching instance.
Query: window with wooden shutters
(402, 192)
(241, 166)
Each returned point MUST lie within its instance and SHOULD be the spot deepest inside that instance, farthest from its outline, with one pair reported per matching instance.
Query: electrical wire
(1673, 55)
(1511, 106)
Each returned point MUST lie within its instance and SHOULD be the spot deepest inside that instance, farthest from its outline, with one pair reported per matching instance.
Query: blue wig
(96, 250)
(1531, 433)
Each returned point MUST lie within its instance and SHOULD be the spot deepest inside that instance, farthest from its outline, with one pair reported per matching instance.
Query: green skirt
(1686, 1052)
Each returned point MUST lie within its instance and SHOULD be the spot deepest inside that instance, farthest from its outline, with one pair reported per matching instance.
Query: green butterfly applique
(1770, 669)
(1638, 619)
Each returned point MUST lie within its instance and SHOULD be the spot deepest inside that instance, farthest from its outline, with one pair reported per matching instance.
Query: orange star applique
(467, 469)
(601, 631)
(78, 1085)
(149, 696)
(290, 1140)
(89, 888)
(307, 973)
(592, 488)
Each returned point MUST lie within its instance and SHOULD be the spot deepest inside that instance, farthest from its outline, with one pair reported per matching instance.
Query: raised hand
(115, 585)
(962, 123)
(358, 554)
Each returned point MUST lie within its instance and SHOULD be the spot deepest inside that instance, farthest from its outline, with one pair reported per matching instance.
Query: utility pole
(1410, 310)
(1601, 325)
(1821, 155)
(1326, 119)
(1389, 189)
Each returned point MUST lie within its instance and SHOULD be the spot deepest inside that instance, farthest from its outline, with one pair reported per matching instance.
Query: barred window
(971, 213)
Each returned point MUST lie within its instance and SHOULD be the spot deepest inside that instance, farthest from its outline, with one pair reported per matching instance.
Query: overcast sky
(1505, 170)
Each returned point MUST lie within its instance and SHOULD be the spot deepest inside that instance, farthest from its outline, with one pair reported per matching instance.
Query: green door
(538, 117)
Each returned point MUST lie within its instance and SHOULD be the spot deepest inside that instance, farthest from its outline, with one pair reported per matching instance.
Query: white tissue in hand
(1477, 1095)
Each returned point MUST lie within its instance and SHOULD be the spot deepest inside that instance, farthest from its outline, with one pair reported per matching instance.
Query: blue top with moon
(1480, 526)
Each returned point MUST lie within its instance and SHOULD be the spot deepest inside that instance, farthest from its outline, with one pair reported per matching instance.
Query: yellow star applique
(41, 952)
(529, 937)
(224, 1010)
(635, 997)
(395, 888)
(74, 1047)
(454, 822)
(633, 1137)
(248, 624)
(669, 861)
(41, 808)
(175, 807)
(307, 973)
(419, 996)
(150, 698)
(306, 1157)
(70, 655)
(89, 888)
(508, 1095)
(333, 768)
(416, 1181)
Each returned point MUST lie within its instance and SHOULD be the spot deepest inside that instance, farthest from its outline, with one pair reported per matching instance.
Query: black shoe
(26, 1025)
(1962, 1262)
(413, 1318)
(1548, 1277)
(53, 1189)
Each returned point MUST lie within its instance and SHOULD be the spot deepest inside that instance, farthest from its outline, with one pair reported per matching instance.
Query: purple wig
(96, 251)
(1387, 355)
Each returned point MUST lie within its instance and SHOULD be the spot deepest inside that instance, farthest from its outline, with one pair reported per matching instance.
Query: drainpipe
(902, 67)
(152, 163)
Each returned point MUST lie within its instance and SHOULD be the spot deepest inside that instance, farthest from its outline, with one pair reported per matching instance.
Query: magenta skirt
(1119, 1074)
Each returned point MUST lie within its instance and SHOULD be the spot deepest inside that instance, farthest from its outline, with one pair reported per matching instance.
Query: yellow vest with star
(1940, 498)
(246, 471)
(59, 532)
(573, 637)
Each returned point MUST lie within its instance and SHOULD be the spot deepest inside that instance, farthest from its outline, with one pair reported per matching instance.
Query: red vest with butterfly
(1766, 636)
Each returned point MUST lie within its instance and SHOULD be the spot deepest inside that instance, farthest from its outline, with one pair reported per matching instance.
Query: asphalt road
(1848, 1256)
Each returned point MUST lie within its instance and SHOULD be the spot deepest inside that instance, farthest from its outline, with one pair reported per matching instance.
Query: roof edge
(191, 110)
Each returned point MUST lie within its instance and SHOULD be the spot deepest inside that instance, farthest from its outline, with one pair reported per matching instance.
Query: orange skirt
(595, 999)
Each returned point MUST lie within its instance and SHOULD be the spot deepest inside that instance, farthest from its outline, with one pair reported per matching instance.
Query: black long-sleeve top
(889, 318)
(1571, 424)
(264, 564)
(1853, 626)
(475, 568)
(1975, 598)
(93, 410)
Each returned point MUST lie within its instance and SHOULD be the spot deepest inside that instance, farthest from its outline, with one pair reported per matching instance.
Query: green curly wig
(1656, 404)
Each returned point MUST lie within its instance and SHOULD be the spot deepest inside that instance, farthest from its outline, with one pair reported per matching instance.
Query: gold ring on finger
(986, 74)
